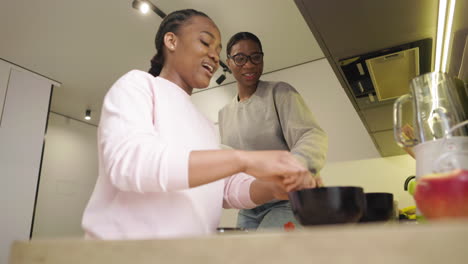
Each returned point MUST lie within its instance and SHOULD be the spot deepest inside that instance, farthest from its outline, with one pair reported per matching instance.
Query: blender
(440, 141)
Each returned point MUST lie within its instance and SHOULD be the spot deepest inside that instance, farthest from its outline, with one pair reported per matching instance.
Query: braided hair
(171, 23)
(242, 36)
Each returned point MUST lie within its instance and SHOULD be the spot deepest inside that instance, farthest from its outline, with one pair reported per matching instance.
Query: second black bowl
(379, 207)
(328, 205)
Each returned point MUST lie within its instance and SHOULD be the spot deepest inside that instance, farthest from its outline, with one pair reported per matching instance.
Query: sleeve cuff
(237, 192)
(177, 169)
(244, 194)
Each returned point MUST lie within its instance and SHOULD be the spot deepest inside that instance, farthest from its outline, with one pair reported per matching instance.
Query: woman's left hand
(263, 191)
(307, 182)
(311, 181)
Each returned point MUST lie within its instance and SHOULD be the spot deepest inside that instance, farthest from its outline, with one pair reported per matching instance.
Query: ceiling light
(440, 33)
(144, 8)
(145, 5)
(444, 31)
(88, 114)
(447, 35)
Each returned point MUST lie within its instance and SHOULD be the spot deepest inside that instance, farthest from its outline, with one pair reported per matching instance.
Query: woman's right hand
(278, 166)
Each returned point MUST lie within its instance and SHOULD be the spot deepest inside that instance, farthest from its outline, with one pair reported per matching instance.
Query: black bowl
(379, 207)
(328, 205)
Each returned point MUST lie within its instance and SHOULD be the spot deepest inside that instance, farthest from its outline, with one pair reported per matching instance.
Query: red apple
(443, 195)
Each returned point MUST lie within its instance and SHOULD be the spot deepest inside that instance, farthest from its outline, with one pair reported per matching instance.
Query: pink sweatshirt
(147, 130)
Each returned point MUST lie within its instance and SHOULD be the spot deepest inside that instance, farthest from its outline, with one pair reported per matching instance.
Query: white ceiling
(87, 45)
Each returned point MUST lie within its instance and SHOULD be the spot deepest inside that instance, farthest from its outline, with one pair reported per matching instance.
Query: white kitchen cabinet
(25, 107)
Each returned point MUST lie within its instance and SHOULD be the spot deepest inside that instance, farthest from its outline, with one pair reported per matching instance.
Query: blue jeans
(272, 215)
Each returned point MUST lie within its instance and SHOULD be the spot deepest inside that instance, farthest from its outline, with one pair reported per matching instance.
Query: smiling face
(248, 74)
(192, 53)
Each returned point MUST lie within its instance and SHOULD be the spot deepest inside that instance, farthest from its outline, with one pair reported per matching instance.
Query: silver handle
(397, 120)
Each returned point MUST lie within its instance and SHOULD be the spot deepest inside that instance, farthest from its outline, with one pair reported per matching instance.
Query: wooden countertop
(441, 242)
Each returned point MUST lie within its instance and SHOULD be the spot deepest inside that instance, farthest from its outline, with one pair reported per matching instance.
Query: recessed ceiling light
(88, 114)
(144, 8)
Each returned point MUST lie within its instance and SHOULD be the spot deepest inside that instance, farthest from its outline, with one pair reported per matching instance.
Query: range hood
(376, 79)
(390, 74)
(380, 77)
(375, 48)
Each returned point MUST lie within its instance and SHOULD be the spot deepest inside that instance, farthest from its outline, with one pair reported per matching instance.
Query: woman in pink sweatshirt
(161, 172)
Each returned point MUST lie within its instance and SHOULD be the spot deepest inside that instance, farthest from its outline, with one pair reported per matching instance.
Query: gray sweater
(275, 117)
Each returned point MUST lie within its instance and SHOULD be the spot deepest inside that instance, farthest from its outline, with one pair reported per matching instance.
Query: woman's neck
(176, 79)
(245, 92)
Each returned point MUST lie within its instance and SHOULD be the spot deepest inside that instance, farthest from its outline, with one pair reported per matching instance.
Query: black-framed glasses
(241, 59)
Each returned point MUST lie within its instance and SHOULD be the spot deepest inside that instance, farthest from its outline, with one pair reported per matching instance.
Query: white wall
(21, 140)
(69, 172)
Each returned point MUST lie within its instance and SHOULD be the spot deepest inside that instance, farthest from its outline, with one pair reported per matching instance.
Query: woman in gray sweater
(268, 116)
